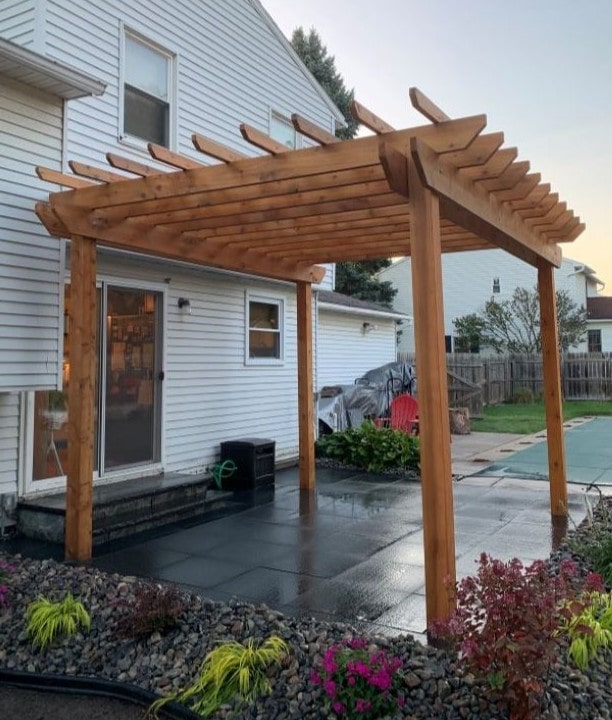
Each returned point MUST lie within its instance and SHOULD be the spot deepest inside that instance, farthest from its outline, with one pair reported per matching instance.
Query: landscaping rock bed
(434, 684)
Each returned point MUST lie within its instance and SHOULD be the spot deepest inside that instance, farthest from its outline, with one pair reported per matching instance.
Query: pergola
(445, 186)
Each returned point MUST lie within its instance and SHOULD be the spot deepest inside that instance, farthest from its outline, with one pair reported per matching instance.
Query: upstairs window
(264, 329)
(282, 130)
(147, 91)
(496, 285)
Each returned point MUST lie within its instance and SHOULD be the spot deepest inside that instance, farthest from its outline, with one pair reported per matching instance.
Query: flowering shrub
(5, 570)
(506, 626)
(360, 682)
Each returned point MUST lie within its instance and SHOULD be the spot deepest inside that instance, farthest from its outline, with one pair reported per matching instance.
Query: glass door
(132, 376)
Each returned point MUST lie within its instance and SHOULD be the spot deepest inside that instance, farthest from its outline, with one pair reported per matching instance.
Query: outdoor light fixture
(368, 327)
(184, 305)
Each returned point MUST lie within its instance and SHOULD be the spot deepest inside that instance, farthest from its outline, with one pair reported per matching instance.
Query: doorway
(127, 421)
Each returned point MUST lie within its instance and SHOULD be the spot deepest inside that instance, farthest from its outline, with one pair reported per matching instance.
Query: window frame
(282, 118)
(277, 301)
(590, 334)
(172, 64)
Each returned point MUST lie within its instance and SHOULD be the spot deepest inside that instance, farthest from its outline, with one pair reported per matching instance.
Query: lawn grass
(530, 418)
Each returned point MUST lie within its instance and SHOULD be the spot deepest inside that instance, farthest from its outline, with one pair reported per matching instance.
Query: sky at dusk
(540, 69)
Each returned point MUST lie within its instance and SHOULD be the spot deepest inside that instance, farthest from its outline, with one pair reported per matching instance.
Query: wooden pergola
(445, 186)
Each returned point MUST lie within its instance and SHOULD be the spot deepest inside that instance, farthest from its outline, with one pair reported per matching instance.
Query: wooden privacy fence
(475, 381)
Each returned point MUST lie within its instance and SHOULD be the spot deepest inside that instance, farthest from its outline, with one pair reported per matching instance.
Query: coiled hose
(223, 471)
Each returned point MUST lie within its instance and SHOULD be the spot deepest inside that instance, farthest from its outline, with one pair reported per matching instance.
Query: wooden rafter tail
(94, 173)
(175, 160)
(368, 119)
(427, 107)
(477, 152)
(50, 220)
(494, 167)
(215, 150)
(261, 140)
(59, 178)
(573, 234)
(312, 131)
(508, 179)
(566, 222)
(536, 197)
(131, 166)
(553, 210)
(521, 190)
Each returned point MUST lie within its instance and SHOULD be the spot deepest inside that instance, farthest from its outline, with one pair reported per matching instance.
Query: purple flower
(362, 706)
(357, 644)
(330, 688)
(338, 708)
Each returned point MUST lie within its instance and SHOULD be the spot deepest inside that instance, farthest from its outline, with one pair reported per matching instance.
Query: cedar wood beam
(475, 210)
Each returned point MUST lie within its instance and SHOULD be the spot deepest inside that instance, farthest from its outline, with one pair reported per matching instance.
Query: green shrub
(588, 625)
(595, 545)
(230, 670)
(50, 621)
(372, 448)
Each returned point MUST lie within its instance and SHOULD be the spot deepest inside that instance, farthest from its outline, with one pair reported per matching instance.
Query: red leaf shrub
(505, 624)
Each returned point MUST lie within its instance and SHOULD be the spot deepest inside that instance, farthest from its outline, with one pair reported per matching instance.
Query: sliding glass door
(127, 422)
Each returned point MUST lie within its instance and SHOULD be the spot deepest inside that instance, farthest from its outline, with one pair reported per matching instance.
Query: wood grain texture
(305, 386)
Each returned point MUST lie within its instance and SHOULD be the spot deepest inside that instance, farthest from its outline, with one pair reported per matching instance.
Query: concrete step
(127, 508)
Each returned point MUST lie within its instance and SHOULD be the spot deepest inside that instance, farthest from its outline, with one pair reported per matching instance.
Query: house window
(496, 285)
(594, 340)
(282, 130)
(147, 91)
(264, 329)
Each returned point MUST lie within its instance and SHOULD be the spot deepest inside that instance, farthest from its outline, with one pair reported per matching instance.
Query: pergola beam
(477, 211)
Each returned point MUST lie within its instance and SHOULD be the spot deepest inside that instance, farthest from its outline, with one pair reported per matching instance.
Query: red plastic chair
(404, 415)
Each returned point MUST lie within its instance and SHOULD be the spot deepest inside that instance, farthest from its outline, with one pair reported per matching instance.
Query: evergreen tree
(352, 278)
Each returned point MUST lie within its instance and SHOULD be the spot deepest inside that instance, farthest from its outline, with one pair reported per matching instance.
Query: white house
(187, 357)
(472, 278)
(599, 322)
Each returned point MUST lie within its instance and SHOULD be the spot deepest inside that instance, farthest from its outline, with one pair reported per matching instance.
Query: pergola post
(81, 399)
(305, 386)
(552, 390)
(434, 428)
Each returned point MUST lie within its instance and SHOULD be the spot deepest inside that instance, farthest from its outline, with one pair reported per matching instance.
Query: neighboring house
(599, 322)
(354, 336)
(472, 278)
(188, 357)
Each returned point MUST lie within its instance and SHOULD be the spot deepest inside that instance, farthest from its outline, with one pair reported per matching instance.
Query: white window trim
(250, 297)
(131, 140)
(283, 117)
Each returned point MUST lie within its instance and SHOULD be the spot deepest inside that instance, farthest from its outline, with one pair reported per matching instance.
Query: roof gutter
(390, 315)
(67, 82)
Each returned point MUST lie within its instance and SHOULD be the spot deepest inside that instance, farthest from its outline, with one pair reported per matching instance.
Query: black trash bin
(254, 458)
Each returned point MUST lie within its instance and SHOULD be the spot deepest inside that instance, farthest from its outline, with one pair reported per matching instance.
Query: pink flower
(338, 708)
(330, 688)
(363, 706)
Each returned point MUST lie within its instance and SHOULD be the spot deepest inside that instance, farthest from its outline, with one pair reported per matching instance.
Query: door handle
(161, 375)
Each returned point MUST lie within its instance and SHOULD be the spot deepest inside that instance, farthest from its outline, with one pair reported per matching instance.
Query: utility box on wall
(254, 458)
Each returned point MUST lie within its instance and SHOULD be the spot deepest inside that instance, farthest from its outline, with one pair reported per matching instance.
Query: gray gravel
(435, 686)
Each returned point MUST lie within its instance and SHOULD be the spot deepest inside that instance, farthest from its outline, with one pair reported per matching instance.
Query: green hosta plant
(372, 448)
(231, 670)
(50, 621)
(588, 625)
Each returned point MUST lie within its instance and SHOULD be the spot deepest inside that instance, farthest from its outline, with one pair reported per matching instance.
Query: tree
(514, 325)
(322, 65)
(352, 278)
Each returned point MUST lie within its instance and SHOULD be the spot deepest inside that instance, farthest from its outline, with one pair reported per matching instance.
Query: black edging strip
(91, 686)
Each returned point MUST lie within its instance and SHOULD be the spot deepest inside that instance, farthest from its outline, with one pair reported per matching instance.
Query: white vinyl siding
(18, 21)
(30, 260)
(9, 441)
(467, 279)
(231, 68)
(345, 352)
(210, 395)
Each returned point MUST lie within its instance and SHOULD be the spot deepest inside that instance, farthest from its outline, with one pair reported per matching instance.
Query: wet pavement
(353, 550)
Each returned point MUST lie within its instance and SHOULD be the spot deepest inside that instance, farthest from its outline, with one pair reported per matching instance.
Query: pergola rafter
(440, 187)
